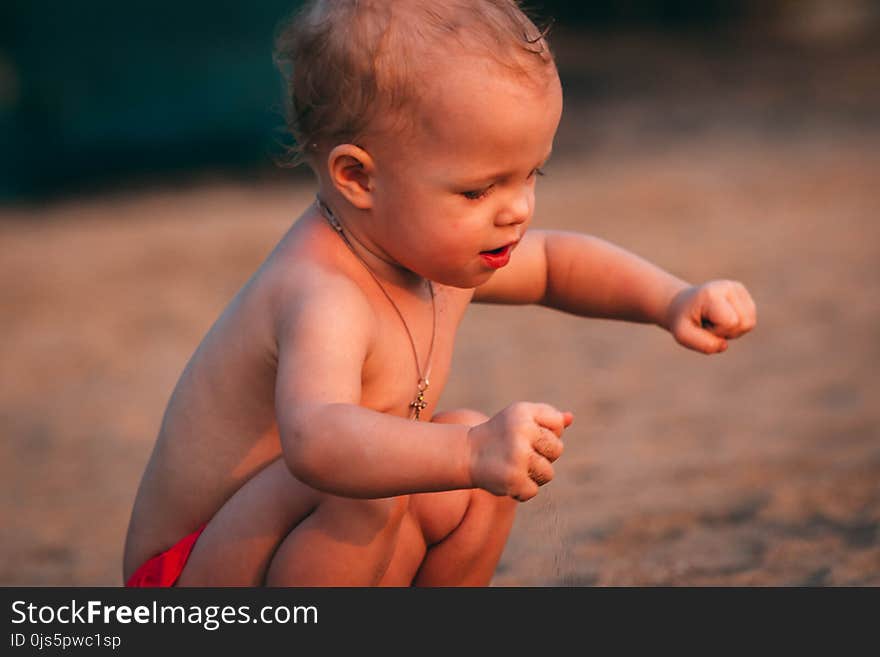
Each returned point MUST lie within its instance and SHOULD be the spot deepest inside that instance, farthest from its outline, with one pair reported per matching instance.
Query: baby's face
(462, 182)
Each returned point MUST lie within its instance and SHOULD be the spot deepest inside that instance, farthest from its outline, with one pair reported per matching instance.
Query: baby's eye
(476, 195)
(538, 172)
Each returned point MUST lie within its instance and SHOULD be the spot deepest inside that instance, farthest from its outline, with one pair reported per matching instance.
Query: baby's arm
(337, 446)
(588, 276)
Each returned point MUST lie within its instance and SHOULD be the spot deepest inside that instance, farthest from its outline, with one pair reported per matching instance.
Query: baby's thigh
(439, 514)
(238, 542)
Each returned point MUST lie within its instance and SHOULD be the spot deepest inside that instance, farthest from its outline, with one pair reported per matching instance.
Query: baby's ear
(351, 172)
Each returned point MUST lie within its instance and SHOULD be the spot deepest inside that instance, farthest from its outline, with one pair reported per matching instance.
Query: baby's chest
(402, 358)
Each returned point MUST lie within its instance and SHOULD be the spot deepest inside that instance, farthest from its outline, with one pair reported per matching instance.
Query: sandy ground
(757, 467)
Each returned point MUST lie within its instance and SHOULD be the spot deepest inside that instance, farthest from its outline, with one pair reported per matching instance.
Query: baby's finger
(540, 469)
(734, 331)
(549, 417)
(548, 445)
(525, 492)
(699, 339)
(745, 308)
(723, 319)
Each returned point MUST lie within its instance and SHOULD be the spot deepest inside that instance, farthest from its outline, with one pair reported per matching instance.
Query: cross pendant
(419, 404)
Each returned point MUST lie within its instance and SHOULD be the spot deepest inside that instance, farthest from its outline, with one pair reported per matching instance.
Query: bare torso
(220, 426)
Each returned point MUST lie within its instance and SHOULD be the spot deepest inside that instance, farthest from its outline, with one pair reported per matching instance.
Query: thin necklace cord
(419, 404)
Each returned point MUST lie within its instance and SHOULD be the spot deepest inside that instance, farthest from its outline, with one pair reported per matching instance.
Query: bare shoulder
(305, 281)
(322, 304)
(310, 284)
(323, 322)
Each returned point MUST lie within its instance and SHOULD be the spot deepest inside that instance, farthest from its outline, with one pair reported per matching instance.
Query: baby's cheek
(452, 242)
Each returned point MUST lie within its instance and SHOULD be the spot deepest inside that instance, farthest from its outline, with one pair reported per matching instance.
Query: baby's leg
(345, 542)
(464, 531)
(238, 542)
(278, 530)
(447, 538)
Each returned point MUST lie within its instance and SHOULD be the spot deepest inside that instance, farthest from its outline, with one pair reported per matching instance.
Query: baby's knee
(490, 510)
(460, 416)
(497, 505)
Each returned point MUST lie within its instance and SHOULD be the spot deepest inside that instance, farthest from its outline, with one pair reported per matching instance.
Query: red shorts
(165, 568)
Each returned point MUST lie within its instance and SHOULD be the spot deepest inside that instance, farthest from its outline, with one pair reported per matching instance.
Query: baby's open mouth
(497, 258)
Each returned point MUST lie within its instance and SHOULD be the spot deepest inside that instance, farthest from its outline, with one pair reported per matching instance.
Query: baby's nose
(517, 211)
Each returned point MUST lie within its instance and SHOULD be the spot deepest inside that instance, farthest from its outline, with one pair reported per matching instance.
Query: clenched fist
(704, 317)
(511, 453)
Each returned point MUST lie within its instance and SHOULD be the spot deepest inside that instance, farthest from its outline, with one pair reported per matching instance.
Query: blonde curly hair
(349, 63)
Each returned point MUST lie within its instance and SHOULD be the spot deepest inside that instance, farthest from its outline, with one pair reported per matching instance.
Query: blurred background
(718, 138)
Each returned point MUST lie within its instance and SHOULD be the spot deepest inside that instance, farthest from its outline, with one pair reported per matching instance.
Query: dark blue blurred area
(98, 91)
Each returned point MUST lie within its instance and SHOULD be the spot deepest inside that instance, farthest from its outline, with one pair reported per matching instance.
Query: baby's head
(360, 66)
(410, 110)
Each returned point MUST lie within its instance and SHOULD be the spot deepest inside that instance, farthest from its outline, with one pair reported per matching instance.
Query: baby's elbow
(301, 451)
(299, 464)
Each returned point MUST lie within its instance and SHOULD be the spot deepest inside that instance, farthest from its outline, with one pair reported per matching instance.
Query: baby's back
(219, 428)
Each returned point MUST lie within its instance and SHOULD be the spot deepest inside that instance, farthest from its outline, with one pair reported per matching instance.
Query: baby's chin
(464, 278)
(462, 281)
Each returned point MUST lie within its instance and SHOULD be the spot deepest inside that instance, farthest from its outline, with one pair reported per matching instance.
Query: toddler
(301, 445)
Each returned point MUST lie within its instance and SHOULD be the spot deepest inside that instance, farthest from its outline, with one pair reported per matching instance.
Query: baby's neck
(371, 255)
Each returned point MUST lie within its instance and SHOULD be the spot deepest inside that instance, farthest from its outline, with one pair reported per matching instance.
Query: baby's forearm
(347, 450)
(590, 277)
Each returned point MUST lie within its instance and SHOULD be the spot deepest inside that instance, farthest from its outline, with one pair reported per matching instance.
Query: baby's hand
(511, 453)
(704, 317)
